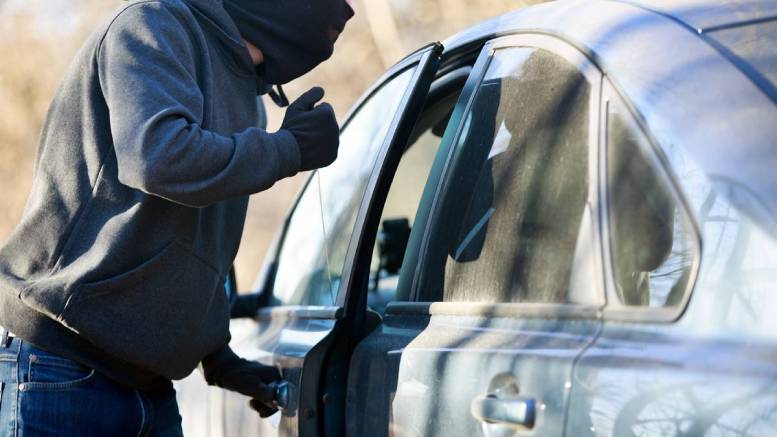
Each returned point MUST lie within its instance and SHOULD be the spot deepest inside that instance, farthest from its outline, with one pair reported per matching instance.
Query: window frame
(663, 169)
(456, 71)
(421, 60)
(577, 57)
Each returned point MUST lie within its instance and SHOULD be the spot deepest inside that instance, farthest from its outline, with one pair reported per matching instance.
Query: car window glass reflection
(313, 254)
(653, 246)
(738, 274)
(513, 225)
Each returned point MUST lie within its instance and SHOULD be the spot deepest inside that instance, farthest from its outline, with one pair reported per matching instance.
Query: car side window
(313, 254)
(515, 222)
(653, 245)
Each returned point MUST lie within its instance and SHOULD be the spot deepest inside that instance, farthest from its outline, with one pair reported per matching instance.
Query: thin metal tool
(326, 240)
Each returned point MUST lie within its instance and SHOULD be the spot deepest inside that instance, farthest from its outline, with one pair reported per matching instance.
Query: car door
(688, 342)
(305, 314)
(501, 277)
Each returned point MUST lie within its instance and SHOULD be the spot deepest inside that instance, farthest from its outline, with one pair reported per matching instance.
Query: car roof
(737, 29)
(699, 75)
(707, 15)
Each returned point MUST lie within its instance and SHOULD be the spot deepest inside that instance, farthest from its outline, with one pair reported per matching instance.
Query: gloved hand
(315, 129)
(227, 370)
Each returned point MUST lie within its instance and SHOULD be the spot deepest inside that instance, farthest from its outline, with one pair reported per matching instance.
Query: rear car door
(688, 342)
(305, 316)
(501, 279)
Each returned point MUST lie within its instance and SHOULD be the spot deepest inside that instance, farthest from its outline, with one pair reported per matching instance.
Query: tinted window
(309, 269)
(653, 245)
(514, 225)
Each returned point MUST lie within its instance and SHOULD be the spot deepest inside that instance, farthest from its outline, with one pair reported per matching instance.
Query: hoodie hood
(294, 35)
(212, 15)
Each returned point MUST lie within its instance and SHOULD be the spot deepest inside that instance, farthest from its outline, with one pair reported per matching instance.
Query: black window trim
(660, 163)
(426, 60)
(589, 68)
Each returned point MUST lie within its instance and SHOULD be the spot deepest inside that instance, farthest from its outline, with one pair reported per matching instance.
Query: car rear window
(652, 241)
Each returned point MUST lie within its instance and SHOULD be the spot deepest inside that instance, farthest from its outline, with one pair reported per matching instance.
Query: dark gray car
(562, 221)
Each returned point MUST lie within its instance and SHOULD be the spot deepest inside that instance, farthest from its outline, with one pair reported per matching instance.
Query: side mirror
(246, 305)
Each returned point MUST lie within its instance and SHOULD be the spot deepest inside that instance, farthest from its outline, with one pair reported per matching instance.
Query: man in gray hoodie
(113, 282)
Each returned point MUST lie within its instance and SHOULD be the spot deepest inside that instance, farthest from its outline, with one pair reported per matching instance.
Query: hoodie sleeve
(147, 73)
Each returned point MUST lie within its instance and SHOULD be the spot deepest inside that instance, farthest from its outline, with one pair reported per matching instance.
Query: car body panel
(662, 381)
(744, 45)
(706, 15)
(456, 359)
(286, 341)
(372, 378)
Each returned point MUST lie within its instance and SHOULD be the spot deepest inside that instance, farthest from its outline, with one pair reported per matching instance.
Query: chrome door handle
(513, 410)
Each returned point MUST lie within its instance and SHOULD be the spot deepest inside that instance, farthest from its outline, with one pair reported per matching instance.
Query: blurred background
(39, 38)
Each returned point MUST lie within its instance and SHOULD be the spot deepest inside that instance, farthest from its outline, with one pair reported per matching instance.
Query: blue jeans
(42, 394)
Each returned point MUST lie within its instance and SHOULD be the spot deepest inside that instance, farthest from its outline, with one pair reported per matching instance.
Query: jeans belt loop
(4, 334)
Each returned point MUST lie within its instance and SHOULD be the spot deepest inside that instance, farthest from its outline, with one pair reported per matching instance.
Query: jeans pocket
(50, 372)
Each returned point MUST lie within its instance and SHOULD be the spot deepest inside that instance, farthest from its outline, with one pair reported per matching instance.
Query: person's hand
(253, 380)
(315, 129)
(227, 370)
(264, 409)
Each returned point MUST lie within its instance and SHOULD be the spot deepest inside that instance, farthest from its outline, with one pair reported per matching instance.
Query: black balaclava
(294, 35)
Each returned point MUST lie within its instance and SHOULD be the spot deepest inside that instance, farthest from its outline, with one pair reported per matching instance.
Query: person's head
(294, 36)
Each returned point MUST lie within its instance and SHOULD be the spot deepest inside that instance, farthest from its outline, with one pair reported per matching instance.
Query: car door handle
(281, 394)
(512, 410)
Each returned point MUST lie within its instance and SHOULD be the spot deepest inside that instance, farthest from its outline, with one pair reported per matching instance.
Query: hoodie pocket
(163, 315)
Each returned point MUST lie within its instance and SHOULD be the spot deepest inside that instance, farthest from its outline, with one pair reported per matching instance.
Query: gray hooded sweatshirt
(145, 162)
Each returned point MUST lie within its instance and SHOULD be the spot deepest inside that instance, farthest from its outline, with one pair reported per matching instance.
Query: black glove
(227, 370)
(264, 410)
(315, 129)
